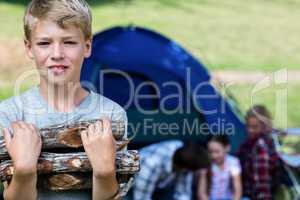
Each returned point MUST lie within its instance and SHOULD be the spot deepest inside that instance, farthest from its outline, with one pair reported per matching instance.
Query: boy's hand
(98, 143)
(24, 147)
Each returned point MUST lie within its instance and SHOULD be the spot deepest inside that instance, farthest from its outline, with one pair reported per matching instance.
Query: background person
(167, 170)
(259, 160)
(222, 181)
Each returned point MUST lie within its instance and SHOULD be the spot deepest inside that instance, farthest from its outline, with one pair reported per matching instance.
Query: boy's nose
(57, 52)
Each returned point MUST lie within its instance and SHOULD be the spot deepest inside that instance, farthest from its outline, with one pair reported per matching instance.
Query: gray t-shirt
(31, 107)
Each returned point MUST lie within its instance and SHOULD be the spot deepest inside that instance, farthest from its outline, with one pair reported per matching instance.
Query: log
(65, 181)
(75, 181)
(68, 136)
(127, 162)
(65, 167)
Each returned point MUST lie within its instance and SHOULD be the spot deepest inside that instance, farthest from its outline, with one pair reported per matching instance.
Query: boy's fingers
(91, 128)
(106, 126)
(15, 126)
(100, 127)
(23, 125)
(84, 136)
(34, 130)
(32, 127)
(7, 136)
(106, 119)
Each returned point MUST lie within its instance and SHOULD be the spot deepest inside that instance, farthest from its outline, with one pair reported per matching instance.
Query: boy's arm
(99, 146)
(21, 185)
(24, 149)
(105, 188)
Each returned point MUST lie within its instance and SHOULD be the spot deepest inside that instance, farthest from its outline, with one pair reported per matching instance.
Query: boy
(258, 157)
(58, 37)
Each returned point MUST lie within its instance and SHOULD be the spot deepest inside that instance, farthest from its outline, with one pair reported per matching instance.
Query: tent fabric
(149, 56)
(291, 159)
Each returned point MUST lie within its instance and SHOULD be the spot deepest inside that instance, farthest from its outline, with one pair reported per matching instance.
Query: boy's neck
(63, 98)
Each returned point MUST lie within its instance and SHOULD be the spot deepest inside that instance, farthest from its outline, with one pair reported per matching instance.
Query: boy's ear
(28, 48)
(88, 45)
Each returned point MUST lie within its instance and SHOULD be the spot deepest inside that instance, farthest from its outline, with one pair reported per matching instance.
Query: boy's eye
(43, 43)
(71, 42)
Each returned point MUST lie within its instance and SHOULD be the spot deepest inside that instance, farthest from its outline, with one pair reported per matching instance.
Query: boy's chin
(59, 81)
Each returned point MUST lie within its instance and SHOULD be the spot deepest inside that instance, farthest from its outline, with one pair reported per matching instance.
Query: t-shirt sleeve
(4, 120)
(235, 168)
(119, 114)
(8, 114)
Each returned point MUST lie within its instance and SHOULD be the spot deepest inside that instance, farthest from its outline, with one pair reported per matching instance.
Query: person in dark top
(259, 160)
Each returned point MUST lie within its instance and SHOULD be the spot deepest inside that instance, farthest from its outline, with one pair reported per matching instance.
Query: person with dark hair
(259, 160)
(222, 181)
(167, 170)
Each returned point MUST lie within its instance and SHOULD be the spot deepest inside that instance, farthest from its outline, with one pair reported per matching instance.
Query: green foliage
(269, 97)
(232, 34)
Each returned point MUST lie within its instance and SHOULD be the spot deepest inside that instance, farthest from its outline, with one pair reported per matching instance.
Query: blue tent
(137, 62)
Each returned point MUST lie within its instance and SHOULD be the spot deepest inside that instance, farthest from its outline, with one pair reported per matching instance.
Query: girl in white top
(223, 180)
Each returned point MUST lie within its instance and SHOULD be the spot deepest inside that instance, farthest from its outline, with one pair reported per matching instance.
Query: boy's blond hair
(62, 12)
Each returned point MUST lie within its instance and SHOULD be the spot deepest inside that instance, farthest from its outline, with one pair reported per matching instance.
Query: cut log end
(75, 181)
(64, 182)
(71, 137)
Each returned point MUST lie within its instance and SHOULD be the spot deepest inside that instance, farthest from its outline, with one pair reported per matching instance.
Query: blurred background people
(222, 181)
(167, 170)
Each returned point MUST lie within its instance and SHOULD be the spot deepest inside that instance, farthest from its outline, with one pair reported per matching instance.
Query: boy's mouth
(58, 69)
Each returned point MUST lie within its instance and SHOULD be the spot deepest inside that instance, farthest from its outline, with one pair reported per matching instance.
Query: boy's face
(58, 53)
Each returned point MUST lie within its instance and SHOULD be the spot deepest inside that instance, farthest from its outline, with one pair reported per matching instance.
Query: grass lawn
(8, 91)
(284, 108)
(231, 34)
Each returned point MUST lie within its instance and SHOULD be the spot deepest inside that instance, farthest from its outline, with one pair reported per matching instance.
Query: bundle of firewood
(63, 164)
